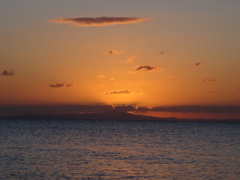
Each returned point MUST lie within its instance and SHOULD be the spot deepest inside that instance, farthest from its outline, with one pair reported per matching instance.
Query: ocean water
(70, 149)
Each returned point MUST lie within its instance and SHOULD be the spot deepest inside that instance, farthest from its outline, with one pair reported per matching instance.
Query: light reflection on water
(119, 150)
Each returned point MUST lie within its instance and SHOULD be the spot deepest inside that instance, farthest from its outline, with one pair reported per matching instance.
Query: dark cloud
(8, 73)
(114, 52)
(148, 68)
(198, 109)
(98, 21)
(66, 109)
(209, 80)
(142, 109)
(122, 92)
(124, 108)
(54, 109)
(57, 85)
(61, 85)
(198, 64)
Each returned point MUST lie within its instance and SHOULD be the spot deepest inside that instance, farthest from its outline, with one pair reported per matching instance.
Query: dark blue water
(45, 149)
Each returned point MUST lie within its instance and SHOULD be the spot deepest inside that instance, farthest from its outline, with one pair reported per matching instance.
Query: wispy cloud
(114, 52)
(101, 76)
(8, 73)
(69, 85)
(122, 92)
(130, 60)
(209, 80)
(98, 21)
(148, 68)
(61, 85)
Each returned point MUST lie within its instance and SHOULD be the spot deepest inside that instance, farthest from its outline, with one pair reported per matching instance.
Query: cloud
(143, 109)
(198, 64)
(148, 68)
(57, 85)
(197, 109)
(209, 80)
(69, 85)
(53, 109)
(130, 60)
(115, 92)
(124, 108)
(101, 76)
(61, 85)
(8, 73)
(98, 21)
(114, 52)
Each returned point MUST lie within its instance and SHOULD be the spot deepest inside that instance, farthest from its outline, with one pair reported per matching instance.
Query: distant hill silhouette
(112, 115)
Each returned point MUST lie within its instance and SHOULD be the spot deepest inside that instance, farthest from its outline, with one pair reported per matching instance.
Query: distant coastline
(109, 116)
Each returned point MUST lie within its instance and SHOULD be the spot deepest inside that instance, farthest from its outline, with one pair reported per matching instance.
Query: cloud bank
(148, 68)
(8, 73)
(98, 21)
(192, 109)
(61, 109)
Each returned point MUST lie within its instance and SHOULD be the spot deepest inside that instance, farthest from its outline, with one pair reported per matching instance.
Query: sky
(148, 53)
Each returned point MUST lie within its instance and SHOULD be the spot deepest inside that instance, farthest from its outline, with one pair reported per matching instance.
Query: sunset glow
(144, 53)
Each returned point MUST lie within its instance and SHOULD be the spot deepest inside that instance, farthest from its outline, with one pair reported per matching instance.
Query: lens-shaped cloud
(98, 21)
(56, 85)
(148, 68)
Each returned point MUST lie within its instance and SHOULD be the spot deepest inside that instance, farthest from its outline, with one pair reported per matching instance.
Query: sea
(91, 149)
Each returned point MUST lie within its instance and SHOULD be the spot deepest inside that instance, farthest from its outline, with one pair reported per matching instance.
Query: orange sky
(147, 53)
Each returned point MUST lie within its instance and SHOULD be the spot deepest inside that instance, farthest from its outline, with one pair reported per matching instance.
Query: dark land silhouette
(111, 116)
